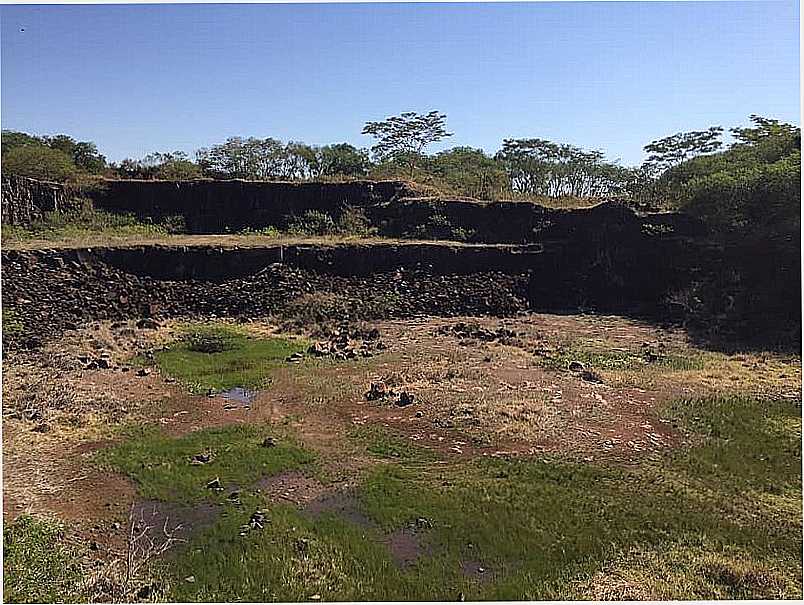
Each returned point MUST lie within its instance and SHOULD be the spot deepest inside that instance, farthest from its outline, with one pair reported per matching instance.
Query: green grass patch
(87, 221)
(223, 357)
(622, 360)
(545, 529)
(39, 566)
(160, 465)
(384, 443)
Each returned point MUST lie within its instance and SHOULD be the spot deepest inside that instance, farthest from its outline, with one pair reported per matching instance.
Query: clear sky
(613, 76)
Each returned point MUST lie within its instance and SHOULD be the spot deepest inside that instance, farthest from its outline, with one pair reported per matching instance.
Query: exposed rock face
(51, 291)
(25, 200)
(226, 206)
(391, 206)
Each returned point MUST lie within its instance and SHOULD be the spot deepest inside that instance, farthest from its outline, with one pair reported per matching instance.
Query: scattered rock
(144, 372)
(576, 366)
(148, 324)
(258, 519)
(591, 376)
(204, 458)
(215, 485)
(474, 330)
(190, 579)
(377, 390)
(405, 399)
(269, 442)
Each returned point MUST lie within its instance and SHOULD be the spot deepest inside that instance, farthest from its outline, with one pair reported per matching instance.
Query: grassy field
(716, 517)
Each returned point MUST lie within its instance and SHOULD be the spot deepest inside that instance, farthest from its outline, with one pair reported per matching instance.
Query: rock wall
(231, 206)
(619, 271)
(228, 206)
(25, 200)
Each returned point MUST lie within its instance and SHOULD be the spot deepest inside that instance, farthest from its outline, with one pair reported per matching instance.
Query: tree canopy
(406, 136)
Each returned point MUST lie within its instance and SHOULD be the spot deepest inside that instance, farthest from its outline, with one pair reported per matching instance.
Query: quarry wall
(390, 206)
(25, 200)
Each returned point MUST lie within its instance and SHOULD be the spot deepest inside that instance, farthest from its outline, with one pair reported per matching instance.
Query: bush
(353, 221)
(312, 222)
(438, 226)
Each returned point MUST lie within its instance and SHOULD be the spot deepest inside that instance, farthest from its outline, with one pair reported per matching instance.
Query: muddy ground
(461, 387)
(481, 387)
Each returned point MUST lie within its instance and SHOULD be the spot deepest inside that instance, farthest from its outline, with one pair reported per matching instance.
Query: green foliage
(270, 159)
(407, 135)
(598, 359)
(38, 162)
(161, 166)
(312, 222)
(12, 325)
(85, 221)
(350, 222)
(341, 159)
(469, 172)
(438, 226)
(541, 167)
(673, 150)
(39, 566)
(729, 507)
(222, 357)
(160, 465)
(49, 157)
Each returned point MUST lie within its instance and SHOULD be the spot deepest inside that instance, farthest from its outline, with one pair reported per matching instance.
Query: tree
(38, 162)
(342, 159)
(406, 136)
(238, 158)
(470, 172)
(542, 167)
(11, 139)
(671, 151)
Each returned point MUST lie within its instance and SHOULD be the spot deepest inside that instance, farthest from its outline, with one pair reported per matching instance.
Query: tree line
(525, 168)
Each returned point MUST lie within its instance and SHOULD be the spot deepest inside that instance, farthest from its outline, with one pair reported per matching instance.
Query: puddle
(343, 504)
(405, 546)
(175, 519)
(238, 397)
(291, 486)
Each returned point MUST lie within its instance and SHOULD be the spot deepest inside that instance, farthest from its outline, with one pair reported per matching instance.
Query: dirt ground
(481, 387)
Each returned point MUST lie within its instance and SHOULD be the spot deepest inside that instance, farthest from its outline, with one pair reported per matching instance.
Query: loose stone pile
(49, 294)
(476, 332)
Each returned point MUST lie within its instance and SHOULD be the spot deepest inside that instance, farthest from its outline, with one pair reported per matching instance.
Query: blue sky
(613, 76)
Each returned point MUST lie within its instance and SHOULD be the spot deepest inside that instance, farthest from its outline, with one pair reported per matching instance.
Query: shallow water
(239, 397)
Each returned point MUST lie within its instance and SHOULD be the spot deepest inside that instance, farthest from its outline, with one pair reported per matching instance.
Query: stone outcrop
(25, 200)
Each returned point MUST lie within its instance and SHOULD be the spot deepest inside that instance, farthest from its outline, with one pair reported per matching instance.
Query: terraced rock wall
(53, 290)
(232, 206)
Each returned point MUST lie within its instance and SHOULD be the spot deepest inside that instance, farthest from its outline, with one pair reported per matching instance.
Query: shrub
(312, 222)
(353, 221)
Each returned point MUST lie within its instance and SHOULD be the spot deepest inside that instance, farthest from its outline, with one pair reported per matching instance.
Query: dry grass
(697, 570)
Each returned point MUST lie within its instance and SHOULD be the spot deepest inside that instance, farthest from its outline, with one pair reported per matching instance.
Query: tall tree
(406, 136)
(671, 151)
